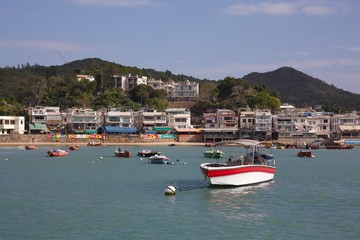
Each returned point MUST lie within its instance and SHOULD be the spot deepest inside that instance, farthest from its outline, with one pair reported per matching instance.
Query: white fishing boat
(159, 159)
(246, 167)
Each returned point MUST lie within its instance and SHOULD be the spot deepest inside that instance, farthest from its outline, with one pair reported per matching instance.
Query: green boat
(214, 153)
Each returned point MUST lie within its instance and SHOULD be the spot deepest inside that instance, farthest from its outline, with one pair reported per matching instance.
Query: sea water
(91, 194)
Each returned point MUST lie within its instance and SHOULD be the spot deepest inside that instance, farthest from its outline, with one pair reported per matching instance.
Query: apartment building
(82, 120)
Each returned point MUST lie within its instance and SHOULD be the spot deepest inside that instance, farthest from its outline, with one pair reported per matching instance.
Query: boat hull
(61, 153)
(124, 154)
(241, 175)
(214, 154)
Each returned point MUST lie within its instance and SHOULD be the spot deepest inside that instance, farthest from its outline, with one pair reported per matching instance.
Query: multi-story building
(155, 84)
(44, 119)
(185, 91)
(220, 125)
(82, 120)
(246, 122)
(118, 81)
(178, 118)
(127, 82)
(118, 120)
(12, 125)
(148, 120)
(345, 125)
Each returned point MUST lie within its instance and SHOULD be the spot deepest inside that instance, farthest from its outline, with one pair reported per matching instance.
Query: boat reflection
(237, 203)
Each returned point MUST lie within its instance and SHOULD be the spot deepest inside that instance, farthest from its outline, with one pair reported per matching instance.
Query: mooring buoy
(170, 190)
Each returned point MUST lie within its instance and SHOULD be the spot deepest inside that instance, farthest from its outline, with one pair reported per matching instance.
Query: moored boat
(57, 153)
(31, 147)
(243, 169)
(305, 153)
(159, 159)
(148, 153)
(74, 147)
(339, 146)
(93, 144)
(214, 153)
(123, 153)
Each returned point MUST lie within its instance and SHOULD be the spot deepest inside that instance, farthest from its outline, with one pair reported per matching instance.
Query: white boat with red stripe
(246, 167)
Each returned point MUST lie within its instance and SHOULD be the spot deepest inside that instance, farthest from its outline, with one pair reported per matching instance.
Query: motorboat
(31, 147)
(57, 153)
(123, 153)
(93, 144)
(305, 153)
(74, 147)
(148, 153)
(339, 146)
(214, 153)
(246, 167)
(159, 159)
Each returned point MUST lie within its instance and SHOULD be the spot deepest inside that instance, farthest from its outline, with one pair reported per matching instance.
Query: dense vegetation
(25, 86)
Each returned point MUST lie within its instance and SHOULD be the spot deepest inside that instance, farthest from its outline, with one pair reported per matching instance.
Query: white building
(12, 125)
(178, 118)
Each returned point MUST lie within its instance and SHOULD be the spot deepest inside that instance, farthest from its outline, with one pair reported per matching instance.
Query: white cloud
(351, 49)
(115, 3)
(280, 8)
(41, 44)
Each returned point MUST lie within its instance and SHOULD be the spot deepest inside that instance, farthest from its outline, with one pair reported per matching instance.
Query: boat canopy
(239, 142)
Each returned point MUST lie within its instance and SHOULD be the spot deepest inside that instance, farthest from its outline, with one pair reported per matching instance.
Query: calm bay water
(82, 197)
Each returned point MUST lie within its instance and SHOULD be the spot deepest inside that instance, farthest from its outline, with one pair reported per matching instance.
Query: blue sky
(209, 39)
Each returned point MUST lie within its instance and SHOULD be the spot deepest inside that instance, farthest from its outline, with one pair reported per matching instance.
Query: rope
(193, 187)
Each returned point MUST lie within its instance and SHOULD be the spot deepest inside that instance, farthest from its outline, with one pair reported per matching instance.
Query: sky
(206, 39)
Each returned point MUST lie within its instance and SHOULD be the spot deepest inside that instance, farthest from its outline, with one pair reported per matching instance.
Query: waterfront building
(178, 118)
(246, 122)
(118, 121)
(44, 119)
(12, 125)
(147, 120)
(345, 126)
(82, 120)
(220, 125)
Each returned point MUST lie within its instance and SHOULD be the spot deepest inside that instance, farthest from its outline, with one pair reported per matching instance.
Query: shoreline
(194, 144)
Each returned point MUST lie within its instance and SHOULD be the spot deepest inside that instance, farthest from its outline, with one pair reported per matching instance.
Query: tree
(159, 104)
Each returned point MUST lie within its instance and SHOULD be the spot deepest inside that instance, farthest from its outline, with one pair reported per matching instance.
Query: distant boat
(74, 147)
(31, 147)
(338, 146)
(93, 144)
(305, 153)
(159, 159)
(57, 153)
(214, 153)
(123, 153)
(148, 153)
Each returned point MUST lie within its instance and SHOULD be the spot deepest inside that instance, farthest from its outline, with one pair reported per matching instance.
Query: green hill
(300, 89)
(27, 85)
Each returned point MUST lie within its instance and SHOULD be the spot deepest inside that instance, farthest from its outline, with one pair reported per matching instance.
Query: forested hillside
(299, 89)
(25, 86)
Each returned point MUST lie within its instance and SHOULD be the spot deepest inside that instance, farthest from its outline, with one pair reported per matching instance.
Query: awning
(163, 129)
(349, 128)
(112, 129)
(39, 127)
(91, 131)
